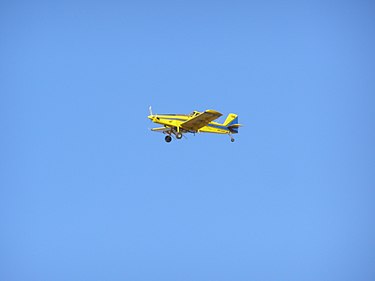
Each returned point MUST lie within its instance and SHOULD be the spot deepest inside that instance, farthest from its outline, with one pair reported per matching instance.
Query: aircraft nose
(153, 117)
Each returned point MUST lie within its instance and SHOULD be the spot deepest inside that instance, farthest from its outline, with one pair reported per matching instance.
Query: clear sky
(87, 192)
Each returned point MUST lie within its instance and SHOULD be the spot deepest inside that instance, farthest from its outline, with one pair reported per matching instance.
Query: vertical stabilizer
(232, 123)
(231, 119)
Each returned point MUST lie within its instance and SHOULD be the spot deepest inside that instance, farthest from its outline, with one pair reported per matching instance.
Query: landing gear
(232, 139)
(178, 135)
(168, 138)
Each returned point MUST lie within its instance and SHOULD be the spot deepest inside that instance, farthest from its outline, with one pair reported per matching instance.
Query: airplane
(195, 122)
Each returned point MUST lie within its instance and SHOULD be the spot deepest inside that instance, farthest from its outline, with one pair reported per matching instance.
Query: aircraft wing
(201, 120)
(161, 129)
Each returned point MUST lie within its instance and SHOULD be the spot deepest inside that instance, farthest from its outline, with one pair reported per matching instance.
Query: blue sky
(87, 192)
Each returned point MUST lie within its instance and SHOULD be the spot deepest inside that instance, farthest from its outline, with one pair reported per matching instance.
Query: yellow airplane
(195, 122)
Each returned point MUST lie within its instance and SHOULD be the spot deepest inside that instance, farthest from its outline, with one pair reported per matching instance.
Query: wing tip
(213, 112)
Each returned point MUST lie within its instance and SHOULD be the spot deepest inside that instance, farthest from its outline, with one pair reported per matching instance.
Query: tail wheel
(168, 138)
(179, 135)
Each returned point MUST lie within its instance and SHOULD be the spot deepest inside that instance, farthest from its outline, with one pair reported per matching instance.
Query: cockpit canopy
(194, 113)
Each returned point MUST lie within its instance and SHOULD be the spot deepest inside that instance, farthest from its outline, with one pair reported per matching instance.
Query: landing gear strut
(168, 138)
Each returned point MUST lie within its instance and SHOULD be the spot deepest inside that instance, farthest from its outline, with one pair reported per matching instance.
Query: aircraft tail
(232, 122)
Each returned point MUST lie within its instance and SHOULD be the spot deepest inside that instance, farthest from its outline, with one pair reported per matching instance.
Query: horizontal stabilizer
(234, 128)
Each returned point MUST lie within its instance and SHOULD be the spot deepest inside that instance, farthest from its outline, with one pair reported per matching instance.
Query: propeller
(151, 114)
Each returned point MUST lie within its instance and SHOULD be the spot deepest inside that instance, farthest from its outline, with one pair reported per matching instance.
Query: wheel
(232, 139)
(168, 138)
(179, 135)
